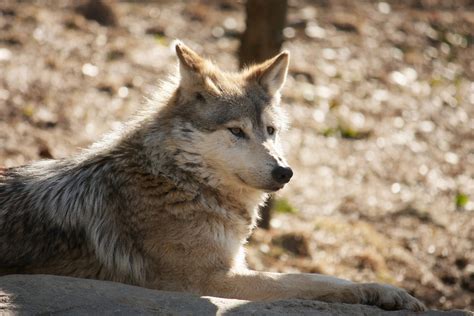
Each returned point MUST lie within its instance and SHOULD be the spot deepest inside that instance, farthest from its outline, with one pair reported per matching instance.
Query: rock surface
(44, 294)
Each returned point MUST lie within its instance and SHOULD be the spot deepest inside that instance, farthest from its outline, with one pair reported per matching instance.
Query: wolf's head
(226, 126)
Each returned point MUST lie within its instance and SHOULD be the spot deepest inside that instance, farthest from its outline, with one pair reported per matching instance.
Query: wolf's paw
(388, 297)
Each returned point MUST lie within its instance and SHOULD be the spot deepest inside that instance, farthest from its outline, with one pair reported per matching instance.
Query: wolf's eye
(270, 130)
(238, 132)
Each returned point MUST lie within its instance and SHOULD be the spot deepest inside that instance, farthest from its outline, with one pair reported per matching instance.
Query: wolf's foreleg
(253, 285)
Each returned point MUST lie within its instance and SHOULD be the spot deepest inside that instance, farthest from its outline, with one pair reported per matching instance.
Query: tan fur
(169, 201)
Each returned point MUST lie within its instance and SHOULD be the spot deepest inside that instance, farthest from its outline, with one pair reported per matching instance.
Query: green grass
(161, 40)
(283, 206)
(344, 132)
(461, 200)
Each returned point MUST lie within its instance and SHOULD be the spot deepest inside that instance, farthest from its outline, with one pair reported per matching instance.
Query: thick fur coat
(169, 201)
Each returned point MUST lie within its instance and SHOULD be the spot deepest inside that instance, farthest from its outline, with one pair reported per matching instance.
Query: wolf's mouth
(275, 188)
(267, 189)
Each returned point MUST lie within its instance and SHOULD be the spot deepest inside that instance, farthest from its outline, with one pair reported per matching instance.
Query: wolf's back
(28, 235)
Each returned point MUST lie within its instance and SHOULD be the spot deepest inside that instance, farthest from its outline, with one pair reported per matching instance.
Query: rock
(45, 294)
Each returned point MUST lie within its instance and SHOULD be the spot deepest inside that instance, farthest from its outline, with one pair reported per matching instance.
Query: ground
(380, 97)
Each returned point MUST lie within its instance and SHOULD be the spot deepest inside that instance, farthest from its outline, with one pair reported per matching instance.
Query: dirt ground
(381, 100)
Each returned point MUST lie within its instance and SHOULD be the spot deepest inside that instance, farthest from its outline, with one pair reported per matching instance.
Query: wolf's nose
(282, 174)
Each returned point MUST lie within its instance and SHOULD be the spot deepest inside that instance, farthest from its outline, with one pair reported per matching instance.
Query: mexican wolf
(169, 201)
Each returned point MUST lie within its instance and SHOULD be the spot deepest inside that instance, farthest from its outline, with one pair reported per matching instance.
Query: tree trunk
(263, 35)
(103, 12)
(261, 40)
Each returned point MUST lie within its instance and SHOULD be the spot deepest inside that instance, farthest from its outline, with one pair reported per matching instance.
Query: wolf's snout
(282, 174)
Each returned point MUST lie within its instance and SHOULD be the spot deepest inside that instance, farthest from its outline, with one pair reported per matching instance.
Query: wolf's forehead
(249, 105)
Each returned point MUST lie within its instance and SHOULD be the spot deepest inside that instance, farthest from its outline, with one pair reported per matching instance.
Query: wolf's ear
(191, 64)
(271, 74)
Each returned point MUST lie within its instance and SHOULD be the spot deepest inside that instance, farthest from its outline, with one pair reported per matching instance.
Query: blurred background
(380, 96)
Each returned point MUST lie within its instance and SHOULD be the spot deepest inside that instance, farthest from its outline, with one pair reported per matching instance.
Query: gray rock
(47, 295)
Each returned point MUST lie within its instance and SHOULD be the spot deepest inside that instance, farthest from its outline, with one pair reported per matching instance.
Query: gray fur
(169, 201)
(81, 216)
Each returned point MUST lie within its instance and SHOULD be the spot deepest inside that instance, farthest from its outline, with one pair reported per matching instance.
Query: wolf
(168, 201)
